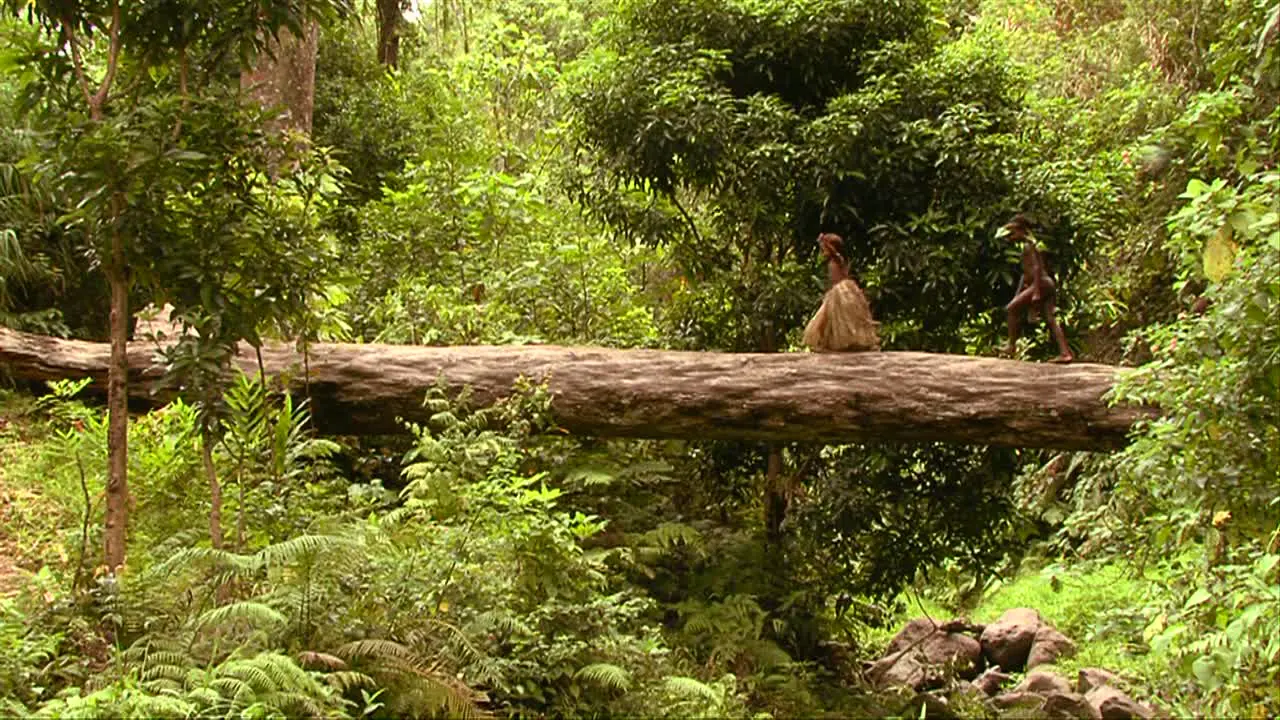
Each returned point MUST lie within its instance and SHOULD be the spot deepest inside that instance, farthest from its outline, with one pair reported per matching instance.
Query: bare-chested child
(1037, 293)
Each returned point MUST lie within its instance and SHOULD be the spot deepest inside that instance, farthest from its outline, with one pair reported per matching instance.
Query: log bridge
(361, 389)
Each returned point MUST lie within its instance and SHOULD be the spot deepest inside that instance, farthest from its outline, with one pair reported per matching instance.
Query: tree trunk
(389, 18)
(117, 511)
(775, 496)
(286, 78)
(215, 490)
(774, 397)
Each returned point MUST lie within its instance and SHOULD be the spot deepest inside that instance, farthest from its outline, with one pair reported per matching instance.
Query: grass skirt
(843, 323)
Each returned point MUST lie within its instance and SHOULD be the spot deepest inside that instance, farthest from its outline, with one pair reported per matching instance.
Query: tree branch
(113, 58)
(69, 33)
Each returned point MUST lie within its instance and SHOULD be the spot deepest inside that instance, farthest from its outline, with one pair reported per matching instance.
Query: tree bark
(389, 18)
(287, 78)
(215, 490)
(773, 397)
(117, 500)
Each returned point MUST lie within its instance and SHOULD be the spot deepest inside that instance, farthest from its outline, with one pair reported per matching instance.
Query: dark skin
(837, 266)
(1036, 290)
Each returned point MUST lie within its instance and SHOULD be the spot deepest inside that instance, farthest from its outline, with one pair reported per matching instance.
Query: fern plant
(272, 449)
(169, 684)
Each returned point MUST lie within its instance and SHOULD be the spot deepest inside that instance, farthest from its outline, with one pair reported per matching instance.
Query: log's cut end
(782, 397)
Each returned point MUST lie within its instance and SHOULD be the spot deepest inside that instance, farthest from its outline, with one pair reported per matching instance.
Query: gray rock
(1092, 677)
(1048, 646)
(991, 681)
(1113, 704)
(902, 669)
(922, 654)
(1069, 706)
(910, 634)
(1007, 641)
(1043, 682)
(1015, 699)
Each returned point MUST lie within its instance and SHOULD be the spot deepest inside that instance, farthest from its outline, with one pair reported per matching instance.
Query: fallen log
(838, 397)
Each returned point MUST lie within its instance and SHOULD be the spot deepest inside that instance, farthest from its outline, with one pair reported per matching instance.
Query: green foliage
(1217, 377)
(470, 251)
(160, 685)
(1102, 608)
(27, 659)
(643, 173)
(367, 115)
(873, 520)
(1224, 633)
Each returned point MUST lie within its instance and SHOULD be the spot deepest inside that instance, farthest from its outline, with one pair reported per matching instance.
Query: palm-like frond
(605, 675)
(304, 547)
(346, 680)
(378, 649)
(688, 687)
(252, 613)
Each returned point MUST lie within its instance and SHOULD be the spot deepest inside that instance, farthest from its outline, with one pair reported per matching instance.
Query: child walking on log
(844, 322)
(1036, 294)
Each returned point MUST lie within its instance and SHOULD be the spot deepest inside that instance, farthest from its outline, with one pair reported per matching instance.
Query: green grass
(1102, 608)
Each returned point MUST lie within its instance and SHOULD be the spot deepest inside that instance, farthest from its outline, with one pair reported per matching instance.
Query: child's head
(832, 244)
(1018, 226)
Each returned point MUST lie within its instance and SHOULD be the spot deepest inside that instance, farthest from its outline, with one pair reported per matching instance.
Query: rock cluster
(957, 664)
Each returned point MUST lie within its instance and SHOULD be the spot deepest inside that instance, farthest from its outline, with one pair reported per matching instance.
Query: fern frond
(592, 475)
(700, 622)
(203, 556)
(606, 675)
(206, 696)
(255, 676)
(671, 535)
(271, 672)
(167, 658)
(690, 688)
(161, 706)
(294, 704)
(435, 696)
(766, 653)
(304, 546)
(422, 638)
(154, 673)
(346, 680)
(254, 613)
(378, 649)
(232, 687)
(324, 660)
(162, 686)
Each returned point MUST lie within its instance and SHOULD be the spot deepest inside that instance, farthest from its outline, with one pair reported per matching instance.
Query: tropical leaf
(1219, 254)
(606, 675)
(253, 613)
(690, 688)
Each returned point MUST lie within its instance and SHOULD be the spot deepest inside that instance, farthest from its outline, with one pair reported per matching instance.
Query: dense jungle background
(631, 174)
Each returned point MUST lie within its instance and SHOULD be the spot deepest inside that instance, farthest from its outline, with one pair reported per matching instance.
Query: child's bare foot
(1063, 359)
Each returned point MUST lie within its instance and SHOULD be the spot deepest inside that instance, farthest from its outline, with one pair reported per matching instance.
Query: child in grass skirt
(844, 322)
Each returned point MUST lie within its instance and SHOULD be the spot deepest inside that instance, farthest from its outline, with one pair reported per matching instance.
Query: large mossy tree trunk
(773, 397)
(285, 77)
(390, 17)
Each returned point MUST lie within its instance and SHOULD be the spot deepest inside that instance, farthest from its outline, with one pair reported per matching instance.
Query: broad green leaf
(1195, 188)
(1199, 597)
(1219, 254)
(1204, 670)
